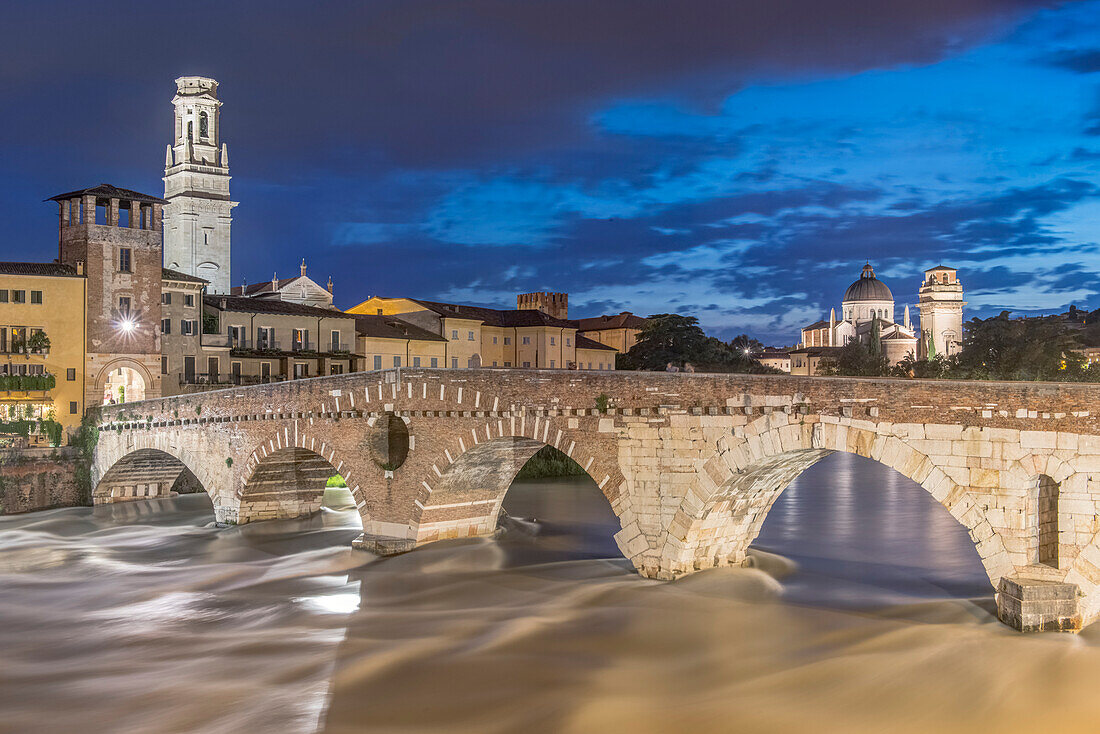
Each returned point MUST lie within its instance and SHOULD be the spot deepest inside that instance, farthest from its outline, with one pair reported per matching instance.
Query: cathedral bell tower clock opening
(198, 215)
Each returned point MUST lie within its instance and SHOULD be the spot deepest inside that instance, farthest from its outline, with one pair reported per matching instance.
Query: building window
(568, 342)
(336, 369)
(236, 335)
(507, 364)
(124, 305)
(164, 364)
(3, 296)
(72, 407)
(416, 361)
(265, 371)
(166, 326)
(265, 337)
(552, 342)
(435, 362)
(336, 341)
(380, 312)
(18, 296)
(378, 361)
(166, 298)
(526, 340)
(189, 327)
(301, 340)
(454, 363)
(551, 364)
(301, 369)
(494, 363)
(36, 296)
(124, 260)
(526, 364)
(470, 336)
(188, 299)
(494, 340)
(507, 340)
(204, 126)
(454, 333)
(396, 361)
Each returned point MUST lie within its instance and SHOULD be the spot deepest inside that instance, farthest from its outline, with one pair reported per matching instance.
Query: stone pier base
(1034, 605)
(383, 545)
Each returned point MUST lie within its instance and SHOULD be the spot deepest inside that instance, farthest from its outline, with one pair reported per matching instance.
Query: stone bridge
(690, 464)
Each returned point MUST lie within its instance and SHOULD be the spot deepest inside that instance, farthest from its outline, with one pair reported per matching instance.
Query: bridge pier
(1038, 605)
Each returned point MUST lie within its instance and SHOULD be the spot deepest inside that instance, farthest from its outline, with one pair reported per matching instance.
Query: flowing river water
(867, 610)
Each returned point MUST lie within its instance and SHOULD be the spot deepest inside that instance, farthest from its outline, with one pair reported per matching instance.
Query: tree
(854, 359)
(934, 368)
(679, 341)
(666, 338)
(1003, 348)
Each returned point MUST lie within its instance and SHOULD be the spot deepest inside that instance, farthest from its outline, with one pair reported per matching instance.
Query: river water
(867, 611)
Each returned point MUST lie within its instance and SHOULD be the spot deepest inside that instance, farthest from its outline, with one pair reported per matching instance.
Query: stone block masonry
(690, 463)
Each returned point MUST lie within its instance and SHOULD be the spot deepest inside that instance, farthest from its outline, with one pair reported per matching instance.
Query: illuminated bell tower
(941, 313)
(196, 186)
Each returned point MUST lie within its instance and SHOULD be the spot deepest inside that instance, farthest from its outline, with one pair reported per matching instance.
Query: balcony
(218, 341)
(227, 379)
(27, 383)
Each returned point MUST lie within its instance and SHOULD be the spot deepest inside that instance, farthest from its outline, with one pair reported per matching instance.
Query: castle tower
(551, 304)
(196, 186)
(941, 312)
(113, 236)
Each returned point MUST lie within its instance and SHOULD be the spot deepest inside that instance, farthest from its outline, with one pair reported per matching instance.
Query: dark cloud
(1082, 61)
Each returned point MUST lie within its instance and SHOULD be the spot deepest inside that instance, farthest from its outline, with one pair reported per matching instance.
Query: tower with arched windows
(196, 185)
(941, 312)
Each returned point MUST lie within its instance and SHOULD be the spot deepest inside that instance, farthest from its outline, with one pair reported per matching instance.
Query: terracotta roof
(267, 305)
(816, 325)
(817, 351)
(584, 342)
(169, 274)
(624, 320)
(940, 267)
(494, 316)
(55, 269)
(389, 327)
(107, 191)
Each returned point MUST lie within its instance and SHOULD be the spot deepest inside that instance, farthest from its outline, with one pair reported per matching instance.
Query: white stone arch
(105, 371)
(463, 494)
(112, 457)
(735, 489)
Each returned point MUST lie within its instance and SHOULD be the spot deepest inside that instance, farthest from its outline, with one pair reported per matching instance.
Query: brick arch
(285, 476)
(463, 493)
(735, 489)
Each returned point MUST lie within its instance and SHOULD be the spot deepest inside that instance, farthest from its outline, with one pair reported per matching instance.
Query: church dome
(868, 288)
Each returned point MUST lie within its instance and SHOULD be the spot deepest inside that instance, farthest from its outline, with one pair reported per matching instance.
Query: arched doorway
(123, 385)
(1046, 504)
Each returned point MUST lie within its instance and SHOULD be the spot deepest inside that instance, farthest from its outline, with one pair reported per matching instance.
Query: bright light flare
(126, 325)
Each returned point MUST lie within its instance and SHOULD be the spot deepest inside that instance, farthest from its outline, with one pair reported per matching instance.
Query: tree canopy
(672, 339)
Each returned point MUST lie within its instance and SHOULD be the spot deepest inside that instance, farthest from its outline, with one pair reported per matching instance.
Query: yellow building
(619, 331)
(385, 342)
(42, 318)
(487, 337)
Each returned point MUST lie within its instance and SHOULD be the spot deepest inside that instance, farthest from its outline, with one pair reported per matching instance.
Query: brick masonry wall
(39, 483)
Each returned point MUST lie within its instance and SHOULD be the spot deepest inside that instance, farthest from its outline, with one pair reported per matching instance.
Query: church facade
(867, 314)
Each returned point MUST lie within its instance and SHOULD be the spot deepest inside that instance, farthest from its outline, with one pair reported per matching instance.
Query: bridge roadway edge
(689, 462)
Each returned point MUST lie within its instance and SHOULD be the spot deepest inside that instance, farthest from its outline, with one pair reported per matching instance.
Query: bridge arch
(463, 495)
(285, 477)
(145, 473)
(725, 507)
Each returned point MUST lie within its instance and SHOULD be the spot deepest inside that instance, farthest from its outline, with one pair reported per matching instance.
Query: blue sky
(732, 161)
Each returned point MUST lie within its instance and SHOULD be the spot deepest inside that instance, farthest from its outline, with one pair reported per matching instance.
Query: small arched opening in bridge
(527, 488)
(145, 474)
(1044, 500)
(292, 482)
(862, 534)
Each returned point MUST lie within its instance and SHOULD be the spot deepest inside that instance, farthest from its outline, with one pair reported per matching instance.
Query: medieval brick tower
(551, 304)
(941, 312)
(196, 185)
(113, 236)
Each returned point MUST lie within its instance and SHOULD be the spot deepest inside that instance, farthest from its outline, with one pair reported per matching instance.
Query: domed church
(867, 312)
